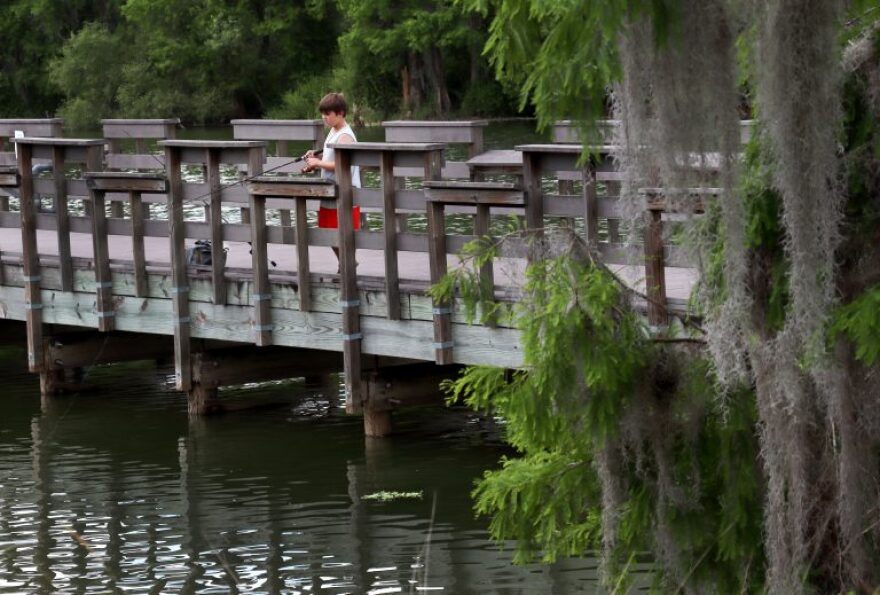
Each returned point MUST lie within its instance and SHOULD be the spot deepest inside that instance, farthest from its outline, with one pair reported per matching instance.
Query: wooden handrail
(299, 190)
(134, 184)
(483, 195)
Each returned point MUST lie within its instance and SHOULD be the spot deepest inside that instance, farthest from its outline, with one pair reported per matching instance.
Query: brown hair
(333, 102)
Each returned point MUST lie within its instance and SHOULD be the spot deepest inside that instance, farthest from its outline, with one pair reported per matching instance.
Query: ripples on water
(115, 490)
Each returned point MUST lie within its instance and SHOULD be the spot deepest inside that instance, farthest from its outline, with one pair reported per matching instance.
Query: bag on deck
(200, 253)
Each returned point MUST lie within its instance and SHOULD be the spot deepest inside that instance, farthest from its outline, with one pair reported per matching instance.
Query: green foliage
(592, 380)
(546, 502)
(209, 60)
(487, 98)
(859, 321)
(562, 55)
(302, 101)
(91, 62)
(33, 33)
(201, 61)
(765, 235)
(573, 385)
(413, 56)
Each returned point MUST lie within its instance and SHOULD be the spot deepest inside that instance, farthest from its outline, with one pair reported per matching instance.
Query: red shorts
(328, 219)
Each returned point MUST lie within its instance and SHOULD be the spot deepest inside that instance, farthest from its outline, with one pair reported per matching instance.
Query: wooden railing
(298, 191)
(31, 127)
(567, 131)
(456, 132)
(483, 196)
(134, 185)
(281, 132)
(139, 133)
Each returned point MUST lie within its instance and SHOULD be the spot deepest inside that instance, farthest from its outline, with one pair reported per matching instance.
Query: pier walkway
(97, 253)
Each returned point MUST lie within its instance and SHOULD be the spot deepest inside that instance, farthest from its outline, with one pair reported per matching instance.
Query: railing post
(303, 268)
(94, 162)
(487, 275)
(137, 244)
(8, 179)
(103, 283)
(262, 293)
(389, 229)
(179, 280)
(30, 261)
(218, 256)
(350, 301)
(283, 214)
(62, 219)
(442, 310)
(591, 206)
(534, 197)
(655, 269)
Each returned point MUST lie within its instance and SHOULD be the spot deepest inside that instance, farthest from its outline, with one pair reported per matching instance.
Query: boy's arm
(315, 163)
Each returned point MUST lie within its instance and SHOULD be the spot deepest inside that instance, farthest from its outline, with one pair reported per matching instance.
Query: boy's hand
(310, 154)
(312, 163)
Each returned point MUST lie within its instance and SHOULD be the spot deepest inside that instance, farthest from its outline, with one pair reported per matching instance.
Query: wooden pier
(101, 261)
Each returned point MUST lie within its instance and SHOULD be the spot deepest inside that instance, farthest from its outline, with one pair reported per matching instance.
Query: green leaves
(562, 54)
(200, 61)
(594, 391)
(545, 502)
(859, 321)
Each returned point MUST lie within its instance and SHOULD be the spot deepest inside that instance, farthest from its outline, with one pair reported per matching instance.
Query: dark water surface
(115, 490)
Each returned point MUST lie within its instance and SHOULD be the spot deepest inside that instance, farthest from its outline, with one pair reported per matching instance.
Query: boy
(333, 111)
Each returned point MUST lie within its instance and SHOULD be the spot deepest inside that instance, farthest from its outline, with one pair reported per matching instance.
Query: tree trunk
(434, 68)
(416, 81)
(406, 90)
(475, 48)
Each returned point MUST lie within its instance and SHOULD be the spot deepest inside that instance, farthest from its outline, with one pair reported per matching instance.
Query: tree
(780, 424)
(202, 61)
(410, 56)
(33, 32)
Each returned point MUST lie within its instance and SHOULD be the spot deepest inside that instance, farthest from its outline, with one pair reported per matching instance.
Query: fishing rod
(266, 171)
(199, 198)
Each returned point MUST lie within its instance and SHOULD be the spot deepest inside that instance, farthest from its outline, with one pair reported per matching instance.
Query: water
(116, 490)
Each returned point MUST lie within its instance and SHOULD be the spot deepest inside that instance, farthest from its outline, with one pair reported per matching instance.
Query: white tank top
(330, 155)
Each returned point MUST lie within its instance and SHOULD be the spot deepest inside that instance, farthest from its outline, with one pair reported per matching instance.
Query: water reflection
(117, 491)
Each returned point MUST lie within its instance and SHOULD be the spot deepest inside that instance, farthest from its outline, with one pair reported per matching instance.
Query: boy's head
(333, 102)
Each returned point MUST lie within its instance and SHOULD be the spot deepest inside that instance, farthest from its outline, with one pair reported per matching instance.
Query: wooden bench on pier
(134, 185)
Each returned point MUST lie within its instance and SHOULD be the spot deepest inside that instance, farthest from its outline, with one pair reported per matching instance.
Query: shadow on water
(116, 490)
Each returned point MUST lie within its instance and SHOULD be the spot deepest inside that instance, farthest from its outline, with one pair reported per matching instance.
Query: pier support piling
(203, 400)
(387, 389)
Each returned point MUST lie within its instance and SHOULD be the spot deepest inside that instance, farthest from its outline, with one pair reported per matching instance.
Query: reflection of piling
(358, 526)
(187, 447)
(40, 454)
